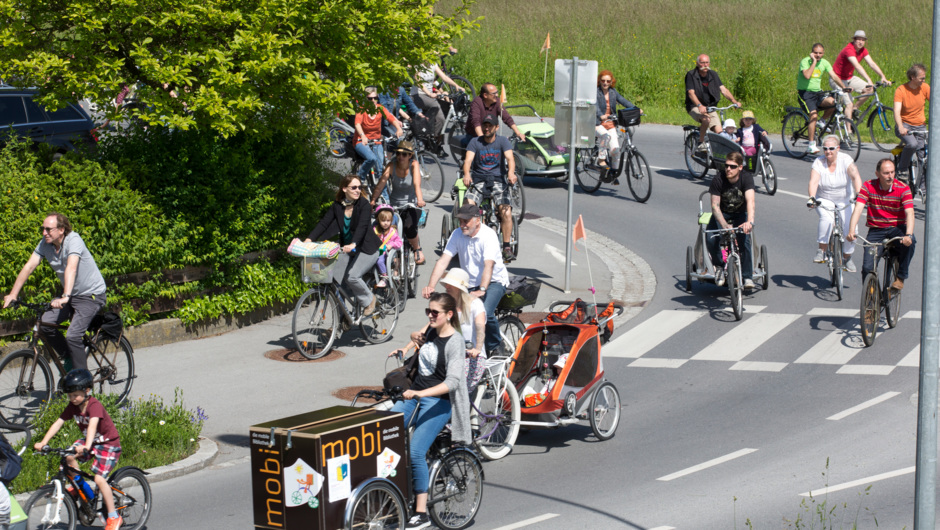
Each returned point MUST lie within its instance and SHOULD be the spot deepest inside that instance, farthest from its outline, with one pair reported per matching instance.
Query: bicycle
(51, 506)
(328, 309)
(455, 489)
(495, 410)
(834, 255)
(875, 297)
(796, 129)
(402, 267)
(880, 118)
(916, 178)
(341, 134)
(591, 175)
(372, 179)
(429, 165)
(765, 167)
(699, 162)
(26, 380)
(733, 279)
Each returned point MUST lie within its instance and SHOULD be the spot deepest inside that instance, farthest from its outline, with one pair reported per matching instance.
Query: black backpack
(10, 462)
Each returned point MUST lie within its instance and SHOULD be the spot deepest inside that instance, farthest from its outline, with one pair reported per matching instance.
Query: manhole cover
(290, 355)
(349, 392)
(531, 317)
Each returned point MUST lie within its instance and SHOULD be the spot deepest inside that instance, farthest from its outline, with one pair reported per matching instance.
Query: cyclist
(441, 387)
(485, 159)
(607, 99)
(809, 89)
(886, 198)
(487, 104)
(394, 100)
(909, 101)
(732, 193)
(847, 63)
(703, 89)
(369, 134)
(100, 441)
(403, 178)
(833, 180)
(82, 284)
(351, 218)
(423, 94)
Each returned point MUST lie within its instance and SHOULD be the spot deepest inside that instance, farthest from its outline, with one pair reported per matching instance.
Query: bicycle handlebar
(47, 450)
(22, 428)
(714, 109)
(733, 229)
(38, 308)
(813, 202)
(883, 242)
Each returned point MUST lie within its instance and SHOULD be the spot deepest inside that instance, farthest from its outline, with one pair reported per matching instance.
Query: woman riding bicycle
(403, 177)
(426, 99)
(607, 99)
(834, 179)
(351, 218)
(369, 134)
(441, 386)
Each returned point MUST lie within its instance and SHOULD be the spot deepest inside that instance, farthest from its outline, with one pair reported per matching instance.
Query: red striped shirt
(886, 207)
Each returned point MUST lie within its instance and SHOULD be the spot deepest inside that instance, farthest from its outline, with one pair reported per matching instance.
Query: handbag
(474, 367)
(403, 376)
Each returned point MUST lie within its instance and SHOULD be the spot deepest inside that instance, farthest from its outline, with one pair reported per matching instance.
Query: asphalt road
(723, 422)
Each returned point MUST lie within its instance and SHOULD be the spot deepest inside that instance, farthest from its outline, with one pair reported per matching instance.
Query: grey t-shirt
(88, 279)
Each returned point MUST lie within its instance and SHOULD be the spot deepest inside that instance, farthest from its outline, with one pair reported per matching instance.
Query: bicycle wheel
(605, 411)
(432, 176)
(688, 269)
(452, 140)
(132, 498)
(22, 393)
(466, 85)
(339, 139)
(456, 490)
(795, 131)
(378, 327)
(517, 197)
(514, 238)
(446, 230)
(837, 265)
(44, 512)
(498, 405)
(315, 322)
(891, 296)
(639, 178)
(511, 329)
(411, 275)
(377, 505)
(696, 162)
(765, 266)
(851, 142)
(769, 175)
(588, 174)
(881, 127)
(111, 364)
(870, 308)
(735, 288)
(397, 276)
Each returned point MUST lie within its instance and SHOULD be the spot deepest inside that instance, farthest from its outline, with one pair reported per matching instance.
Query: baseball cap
(747, 114)
(490, 119)
(468, 211)
(860, 35)
(729, 123)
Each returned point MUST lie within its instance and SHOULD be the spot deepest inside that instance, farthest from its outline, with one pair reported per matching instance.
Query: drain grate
(349, 392)
(290, 355)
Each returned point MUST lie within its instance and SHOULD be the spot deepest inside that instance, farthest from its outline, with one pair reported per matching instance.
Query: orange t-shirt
(912, 103)
(372, 124)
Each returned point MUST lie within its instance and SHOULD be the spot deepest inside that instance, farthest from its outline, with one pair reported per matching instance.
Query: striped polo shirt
(886, 207)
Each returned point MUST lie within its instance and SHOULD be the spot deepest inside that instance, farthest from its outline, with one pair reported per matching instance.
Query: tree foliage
(225, 65)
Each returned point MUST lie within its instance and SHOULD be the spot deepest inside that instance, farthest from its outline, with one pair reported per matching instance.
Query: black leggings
(409, 222)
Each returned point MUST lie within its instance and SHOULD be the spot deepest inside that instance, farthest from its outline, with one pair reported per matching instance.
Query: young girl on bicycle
(384, 216)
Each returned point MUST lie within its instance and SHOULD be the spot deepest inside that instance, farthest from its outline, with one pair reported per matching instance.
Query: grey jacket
(615, 98)
(456, 382)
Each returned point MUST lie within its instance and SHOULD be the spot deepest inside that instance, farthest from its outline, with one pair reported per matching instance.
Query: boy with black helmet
(102, 441)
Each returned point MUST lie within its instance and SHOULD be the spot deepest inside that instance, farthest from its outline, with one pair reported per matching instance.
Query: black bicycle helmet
(77, 379)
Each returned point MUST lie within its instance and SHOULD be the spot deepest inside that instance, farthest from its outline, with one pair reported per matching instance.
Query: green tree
(224, 65)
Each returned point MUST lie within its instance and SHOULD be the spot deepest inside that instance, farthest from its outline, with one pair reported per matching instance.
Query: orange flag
(548, 43)
(502, 94)
(578, 232)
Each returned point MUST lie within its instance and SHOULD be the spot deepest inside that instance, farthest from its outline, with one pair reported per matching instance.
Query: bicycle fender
(135, 468)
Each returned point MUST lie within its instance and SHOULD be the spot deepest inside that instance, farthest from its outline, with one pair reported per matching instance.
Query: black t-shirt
(732, 195)
(432, 363)
(708, 89)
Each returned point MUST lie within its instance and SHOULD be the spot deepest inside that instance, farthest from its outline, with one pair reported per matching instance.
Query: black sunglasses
(432, 312)
(732, 166)
(372, 98)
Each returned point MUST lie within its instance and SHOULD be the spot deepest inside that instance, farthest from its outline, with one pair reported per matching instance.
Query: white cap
(729, 123)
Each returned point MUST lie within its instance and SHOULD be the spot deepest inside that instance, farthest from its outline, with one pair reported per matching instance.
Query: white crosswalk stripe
(643, 338)
(745, 337)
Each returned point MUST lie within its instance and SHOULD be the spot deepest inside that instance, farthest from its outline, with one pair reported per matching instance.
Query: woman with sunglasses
(732, 193)
(834, 179)
(369, 133)
(607, 100)
(351, 217)
(403, 178)
(439, 391)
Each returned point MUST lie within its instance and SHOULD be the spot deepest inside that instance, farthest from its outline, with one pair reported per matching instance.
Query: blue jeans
(744, 244)
(905, 254)
(374, 156)
(494, 292)
(433, 415)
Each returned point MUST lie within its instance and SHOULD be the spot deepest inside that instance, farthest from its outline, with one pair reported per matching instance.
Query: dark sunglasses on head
(732, 166)
(432, 312)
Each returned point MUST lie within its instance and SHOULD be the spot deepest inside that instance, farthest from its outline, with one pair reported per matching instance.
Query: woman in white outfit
(834, 180)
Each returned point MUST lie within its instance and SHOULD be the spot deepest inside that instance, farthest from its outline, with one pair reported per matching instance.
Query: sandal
(419, 257)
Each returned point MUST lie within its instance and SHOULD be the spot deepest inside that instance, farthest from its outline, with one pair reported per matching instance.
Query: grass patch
(152, 434)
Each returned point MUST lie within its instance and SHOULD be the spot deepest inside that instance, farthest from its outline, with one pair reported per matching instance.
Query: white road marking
(664, 528)
(838, 347)
(866, 369)
(747, 309)
(658, 363)
(912, 358)
(831, 312)
(862, 406)
(911, 314)
(706, 465)
(233, 462)
(746, 337)
(643, 338)
(527, 522)
(859, 482)
(758, 366)
(800, 195)
(557, 254)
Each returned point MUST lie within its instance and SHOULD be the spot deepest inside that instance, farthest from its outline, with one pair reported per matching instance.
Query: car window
(34, 112)
(12, 110)
(67, 112)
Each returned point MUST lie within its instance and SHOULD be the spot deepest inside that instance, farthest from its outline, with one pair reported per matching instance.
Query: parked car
(64, 128)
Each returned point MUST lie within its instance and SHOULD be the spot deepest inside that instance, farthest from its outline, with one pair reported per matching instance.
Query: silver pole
(572, 155)
(925, 478)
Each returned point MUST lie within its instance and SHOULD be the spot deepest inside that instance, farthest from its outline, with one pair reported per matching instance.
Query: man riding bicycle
(909, 101)
(487, 105)
(847, 63)
(809, 89)
(703, 89)
(732, 194)
(484, 167)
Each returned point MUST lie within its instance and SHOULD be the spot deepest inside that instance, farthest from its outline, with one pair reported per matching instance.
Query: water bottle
(86, 487)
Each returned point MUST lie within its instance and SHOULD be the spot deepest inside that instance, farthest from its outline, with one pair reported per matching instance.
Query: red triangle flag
(578, 232)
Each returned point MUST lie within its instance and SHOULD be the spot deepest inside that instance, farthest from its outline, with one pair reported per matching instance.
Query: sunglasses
(49, 229)
(372, 99)
(432, 312)
(353, 187)
(732, 166)
(605, 81)
(829, 148)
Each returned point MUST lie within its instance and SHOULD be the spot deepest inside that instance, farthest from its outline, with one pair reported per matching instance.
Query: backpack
(10, 462)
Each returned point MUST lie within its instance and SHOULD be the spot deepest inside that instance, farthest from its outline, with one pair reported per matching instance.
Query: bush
(152, 435)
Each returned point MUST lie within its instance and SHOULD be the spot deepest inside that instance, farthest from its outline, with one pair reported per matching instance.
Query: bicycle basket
(317, 270)
(421, 127)
(522, 291)
(628, 117)
(108, 325)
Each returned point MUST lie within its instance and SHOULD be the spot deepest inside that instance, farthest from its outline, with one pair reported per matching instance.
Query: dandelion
(143, 431)
(162, 422)
(192, 439)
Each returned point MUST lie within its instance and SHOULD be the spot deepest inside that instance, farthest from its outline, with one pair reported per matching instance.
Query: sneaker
(898, 284)
(602, 163)
(418, 521)
(508, 255)
(812, 149)
(719, 277)
(115, 522)
(701, 148)
(820, 256)
(616, 182)
(381, 284)
(371, 307)
(748, 284)
(849, 266)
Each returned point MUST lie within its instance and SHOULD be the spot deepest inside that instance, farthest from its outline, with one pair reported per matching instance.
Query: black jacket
(360, 225)
(708, 96)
